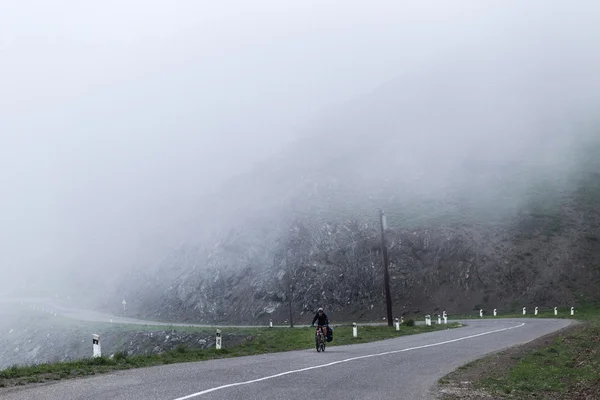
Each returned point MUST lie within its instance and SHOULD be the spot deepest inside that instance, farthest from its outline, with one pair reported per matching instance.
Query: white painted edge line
(343, 361)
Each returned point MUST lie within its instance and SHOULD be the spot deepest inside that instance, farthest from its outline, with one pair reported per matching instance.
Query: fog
(118, 118)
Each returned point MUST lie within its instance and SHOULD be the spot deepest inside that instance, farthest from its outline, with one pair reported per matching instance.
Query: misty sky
(116, 117)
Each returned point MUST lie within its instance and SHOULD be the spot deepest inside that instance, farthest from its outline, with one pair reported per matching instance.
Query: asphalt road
(48, 306)
(42, 305)
(403, 368)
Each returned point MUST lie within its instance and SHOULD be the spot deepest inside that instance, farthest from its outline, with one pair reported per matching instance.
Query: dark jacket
(323, 320)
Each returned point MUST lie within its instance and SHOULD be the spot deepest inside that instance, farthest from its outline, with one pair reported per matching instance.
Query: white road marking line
(342, 361)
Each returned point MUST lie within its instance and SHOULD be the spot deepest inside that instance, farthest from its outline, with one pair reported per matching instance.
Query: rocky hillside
(491, 202)
(547, 253)
(30, 338)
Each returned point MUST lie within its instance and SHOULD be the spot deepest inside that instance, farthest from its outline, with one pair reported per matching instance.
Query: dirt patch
(463, 383)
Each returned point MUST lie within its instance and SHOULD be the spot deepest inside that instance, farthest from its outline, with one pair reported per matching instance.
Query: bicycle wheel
(317, 344)
(322, 342)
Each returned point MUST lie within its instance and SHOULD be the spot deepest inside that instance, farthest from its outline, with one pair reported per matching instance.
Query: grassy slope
(258, 341)
(565, 367)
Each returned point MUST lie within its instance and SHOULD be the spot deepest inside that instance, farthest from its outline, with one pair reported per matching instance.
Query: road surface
(48, 306)
(403, 368)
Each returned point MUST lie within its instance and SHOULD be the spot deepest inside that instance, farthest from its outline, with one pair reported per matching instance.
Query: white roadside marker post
(572, 310)
(97, 351)
(495, 312)
(555, 310)
(354, 330)
(480, 313)
(270, 323)
(445, 316)
(439, 319)
(524, 310)
(428, 320)
(536, 311)
(397, 324)
(218, 341)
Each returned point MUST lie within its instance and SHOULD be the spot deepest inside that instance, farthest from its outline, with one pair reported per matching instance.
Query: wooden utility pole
(290, 287)
(386, 276)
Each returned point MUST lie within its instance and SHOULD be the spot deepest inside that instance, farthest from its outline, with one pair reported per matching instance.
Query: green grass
(571, 361)
(257, 341)
(566, 367)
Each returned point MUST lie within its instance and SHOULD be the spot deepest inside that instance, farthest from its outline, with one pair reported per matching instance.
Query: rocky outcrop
(543, 256)
(30, 339)
(491, 202)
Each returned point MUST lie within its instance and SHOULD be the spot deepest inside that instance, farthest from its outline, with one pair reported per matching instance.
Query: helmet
(320, 309)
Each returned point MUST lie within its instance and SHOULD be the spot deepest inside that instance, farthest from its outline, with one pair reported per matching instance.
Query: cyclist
(322, 319)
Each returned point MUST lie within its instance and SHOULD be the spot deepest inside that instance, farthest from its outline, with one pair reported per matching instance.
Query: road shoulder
(561, 365)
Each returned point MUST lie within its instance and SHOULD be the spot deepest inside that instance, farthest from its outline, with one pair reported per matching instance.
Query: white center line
(342, 361)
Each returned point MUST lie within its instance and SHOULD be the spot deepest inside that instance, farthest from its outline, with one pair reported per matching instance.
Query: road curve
(83, 315)
(404, 368)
